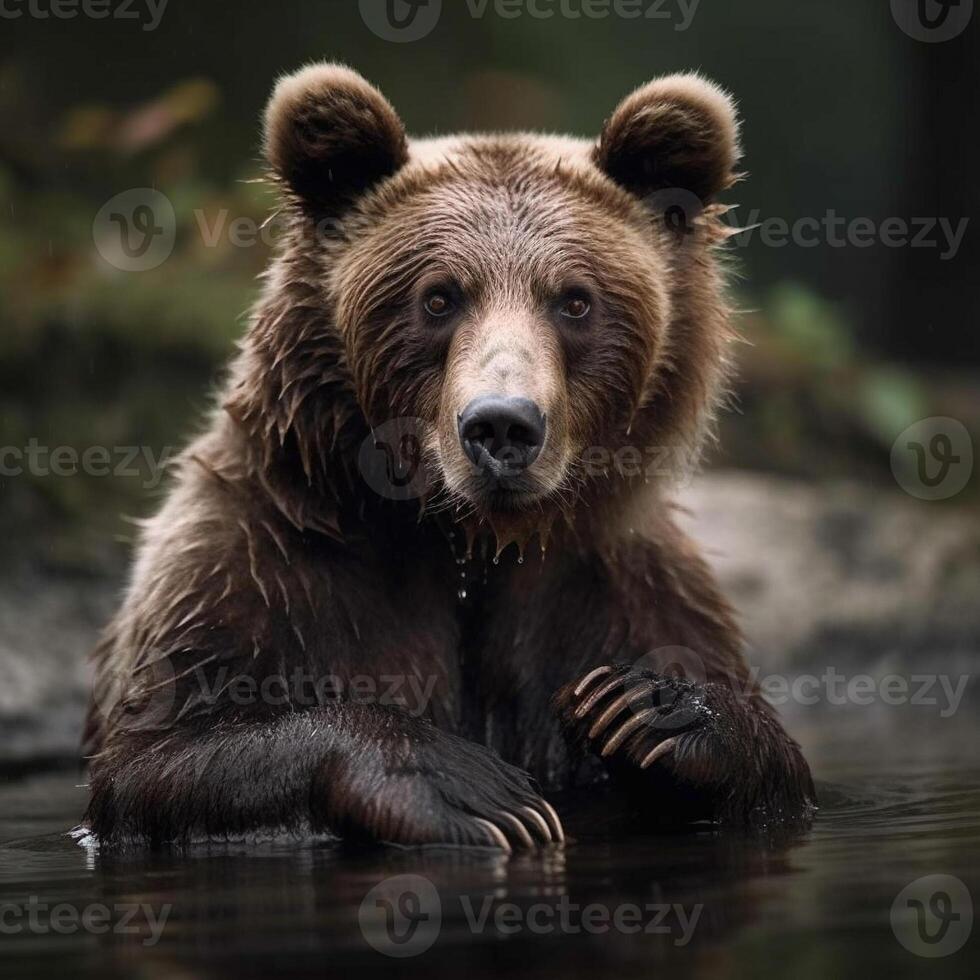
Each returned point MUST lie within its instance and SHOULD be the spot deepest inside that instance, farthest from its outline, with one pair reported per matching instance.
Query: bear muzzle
(501, 435)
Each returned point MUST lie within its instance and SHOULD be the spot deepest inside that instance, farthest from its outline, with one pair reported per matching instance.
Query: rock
(842, 574)
(49, 620)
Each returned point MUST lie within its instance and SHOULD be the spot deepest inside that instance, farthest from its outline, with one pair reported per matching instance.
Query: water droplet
(520, 560)
(462, 594)
(496, 559)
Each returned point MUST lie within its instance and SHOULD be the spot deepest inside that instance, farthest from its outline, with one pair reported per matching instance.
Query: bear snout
(502, 436)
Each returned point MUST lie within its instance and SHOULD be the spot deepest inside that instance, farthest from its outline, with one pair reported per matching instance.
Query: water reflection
(701, 904)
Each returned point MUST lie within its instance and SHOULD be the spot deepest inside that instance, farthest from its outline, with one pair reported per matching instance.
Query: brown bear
(517, 327)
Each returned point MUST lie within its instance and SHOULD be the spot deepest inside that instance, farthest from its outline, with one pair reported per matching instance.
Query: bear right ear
(330, 136)
(678, 132)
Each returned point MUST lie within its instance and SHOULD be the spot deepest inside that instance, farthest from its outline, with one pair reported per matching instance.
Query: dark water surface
(718, 905)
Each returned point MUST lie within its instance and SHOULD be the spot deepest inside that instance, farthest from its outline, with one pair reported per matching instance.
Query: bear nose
(502, 434)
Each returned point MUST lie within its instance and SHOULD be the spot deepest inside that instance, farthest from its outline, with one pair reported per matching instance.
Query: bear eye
(575, 308)
(438, 305)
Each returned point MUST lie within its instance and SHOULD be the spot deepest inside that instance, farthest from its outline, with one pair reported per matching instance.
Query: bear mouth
(503, 494)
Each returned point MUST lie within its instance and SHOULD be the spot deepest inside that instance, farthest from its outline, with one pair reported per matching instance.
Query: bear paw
(646, 717)
(724, 753)
(447, 791)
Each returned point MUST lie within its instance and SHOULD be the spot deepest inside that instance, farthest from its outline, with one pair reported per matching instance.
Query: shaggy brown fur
(275, 582)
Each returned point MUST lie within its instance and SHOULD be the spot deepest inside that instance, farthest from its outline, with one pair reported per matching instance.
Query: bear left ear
(680, 131)
(331, 136)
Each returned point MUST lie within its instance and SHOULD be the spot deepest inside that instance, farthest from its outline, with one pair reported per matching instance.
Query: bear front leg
(363, 772)
(690, 751)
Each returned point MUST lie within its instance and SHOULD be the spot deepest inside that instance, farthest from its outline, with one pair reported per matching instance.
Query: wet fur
(272, 554)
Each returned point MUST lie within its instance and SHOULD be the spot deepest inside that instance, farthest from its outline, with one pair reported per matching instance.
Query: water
(898, 802)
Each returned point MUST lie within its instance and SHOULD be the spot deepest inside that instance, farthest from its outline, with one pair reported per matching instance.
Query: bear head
(548, 312)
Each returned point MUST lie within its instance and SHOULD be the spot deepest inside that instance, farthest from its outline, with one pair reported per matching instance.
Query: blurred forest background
(843, 113)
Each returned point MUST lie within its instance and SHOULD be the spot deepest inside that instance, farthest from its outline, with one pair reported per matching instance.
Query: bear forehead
(513, 151)
(522, 202)
(493, 173)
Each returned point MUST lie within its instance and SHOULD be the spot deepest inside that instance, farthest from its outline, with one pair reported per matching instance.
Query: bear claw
(525, 827)
(518, 828)
(496, 834)
(640, 708)
(590, 677)
(625, 730)
(662, 749)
